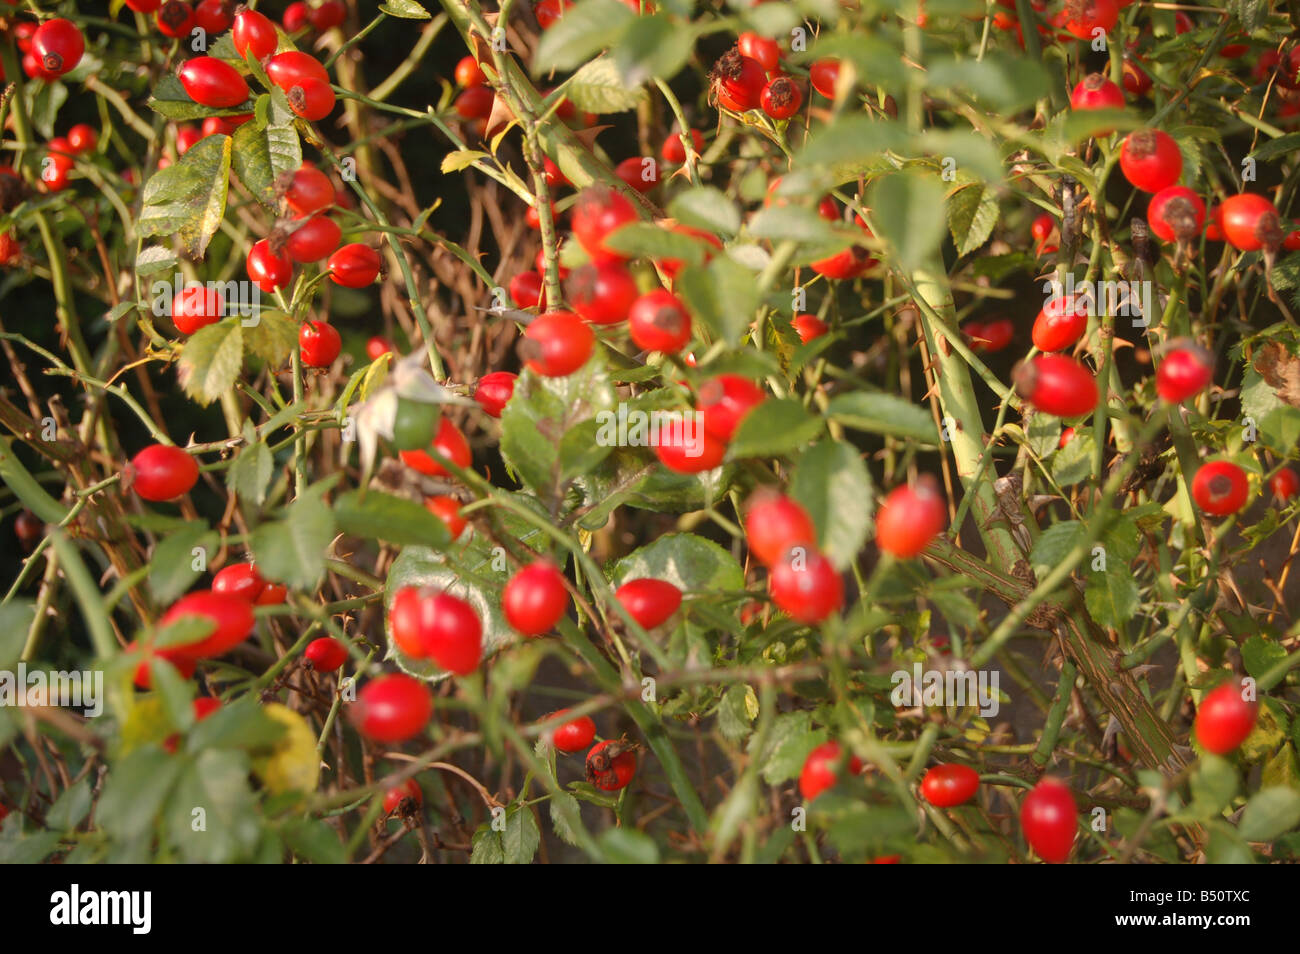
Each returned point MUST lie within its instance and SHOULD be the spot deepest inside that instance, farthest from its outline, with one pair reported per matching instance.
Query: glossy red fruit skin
(1090, 16)
(821, 769)
(186, 138)
(267, 270)
(290, 68)
(1150, 160)
(548, 12)
(659, 321)
(686, 448)
(843, 266)
(602, 294)
(774, 523)
(574, 735)
(1136, 80)
(239, 579)
(1173, 209)
(377, 347)
(1185, 371)
(175, 19)
(446, 509)
(254, 32)
(82, 138)
(295, 17)
(1057, 385)
(990, 336)
(197, 306)
(392, 708)
(1042, 227)
(475, 103)
(410, 789)
(649, 601)
(214, 16)
(139, 6)
(1247, 220)
(674, 152)
(823, 75)
(781, 98)
(494, 391)
(231, 616)
(213, 82)
(724, 401)
(1224, 719)
(808, 327)
(1095, 91)
(634, 170)
(765, 51)
(1284, 484)
(945, 786)
(469, 73)
(354, 265)
(313, 240)
(183, 664)
(557, 343)
(672, 266)
(910, 517)
(326, 654)
(160, 473)
(535, 598)
(1060, 323)
(326, 15)
(806, 586)
(58, 46)
(308, 190)
(598, 212)
(319, 343)
(527, 289)
(738, 81)
(311, 99)
(1220, 488)
(619, 774)
(450, 442)
(1049, 819)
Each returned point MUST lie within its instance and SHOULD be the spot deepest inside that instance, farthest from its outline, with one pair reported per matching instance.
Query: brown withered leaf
(1281, 370)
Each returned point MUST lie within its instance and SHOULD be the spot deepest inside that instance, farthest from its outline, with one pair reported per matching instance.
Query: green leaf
(241, 724)
(1279, 429)
(70, 809)
(796, 223)
(777, 426)
(586, 29)
(834, 486)
(381, 516)
(646, 240)
(314, 840)
(704, 207)
(250, 474)
(999, 82)
(972, 214)
(972, 156)
(722, 295)
(1073, 462)
(404, 9)
(171, 569)
(1259, 654)
(689, 562)
(292, 551)
(1281, 146)
(537, 424)
(211, 817)
(738, 709)
(188, 198)
(1043, 434)
(627, 846)
(653, 47)
(907, 211)
(1112, 595)
(565, 816)
(153, 259)
(880, 413)
(262, 153)
(211, 361)
(1055, 544)
(851, 145)
(597, 88)
(515, 845)
(134, 794)
(1226, 847)
(271, 336)
(789, 741)
(15, 620)
(1271, 812)
(876, 59)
